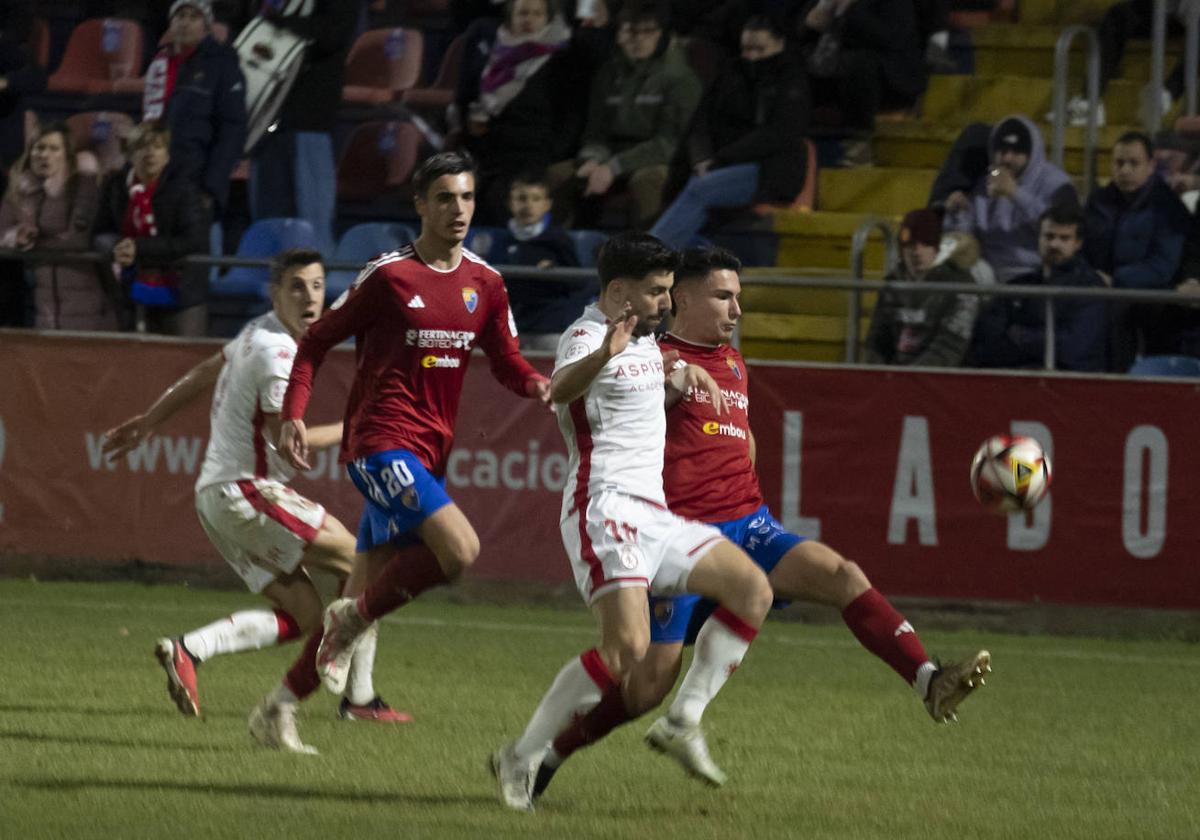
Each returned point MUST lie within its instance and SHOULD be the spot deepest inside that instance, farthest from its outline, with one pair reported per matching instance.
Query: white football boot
(274, 726)
(514, 778)
(343, 628)
(686, 745)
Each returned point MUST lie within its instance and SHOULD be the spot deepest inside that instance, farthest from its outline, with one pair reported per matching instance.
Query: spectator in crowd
(1011, 332)
(49, 204)
(1003, 208)
(195, 86)
(20, 75)
(862, 55)
(933, 30)
(515, 95)
(966, 164)
(1178, 331)
(151, 215)
(1136, 227)
(746, 140)
(931, 329)
(641, 101)
(541, 308)
(292, 169)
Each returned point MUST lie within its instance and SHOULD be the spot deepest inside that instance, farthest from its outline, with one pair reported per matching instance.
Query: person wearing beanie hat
(1003, 207)
(204, 7)
(195, 85)
(930, 329)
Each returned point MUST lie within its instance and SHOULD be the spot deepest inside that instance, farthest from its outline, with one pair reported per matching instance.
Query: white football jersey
(616, 432)
(252, 384)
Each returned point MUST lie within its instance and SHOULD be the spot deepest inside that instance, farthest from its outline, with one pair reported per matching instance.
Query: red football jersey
(415, 327)
(707, 472)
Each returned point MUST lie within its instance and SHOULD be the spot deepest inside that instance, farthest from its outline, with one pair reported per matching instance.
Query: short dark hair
(697, 263)
(1137, 137)
(443, 163)
(1067, 213)
(634, 255)
(285, 261)
(652, 10)
(765, 23)
(531, 178)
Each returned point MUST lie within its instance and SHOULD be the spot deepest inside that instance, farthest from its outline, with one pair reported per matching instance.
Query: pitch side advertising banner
(873, 462)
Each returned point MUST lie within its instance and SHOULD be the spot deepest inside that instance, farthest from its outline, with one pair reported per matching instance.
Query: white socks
(720, 646)
(575, 690)
(245, 630)
(360, 690)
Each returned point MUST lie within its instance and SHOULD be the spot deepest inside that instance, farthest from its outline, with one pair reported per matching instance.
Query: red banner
(873, 462)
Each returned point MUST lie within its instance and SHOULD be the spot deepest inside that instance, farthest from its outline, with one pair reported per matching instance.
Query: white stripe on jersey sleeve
(390, 257)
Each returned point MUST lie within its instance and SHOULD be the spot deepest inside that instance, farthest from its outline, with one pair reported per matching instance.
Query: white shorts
(626, 541)
(261, 527)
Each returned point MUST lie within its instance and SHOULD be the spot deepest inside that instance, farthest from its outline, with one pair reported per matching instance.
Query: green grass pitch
(1071, 738)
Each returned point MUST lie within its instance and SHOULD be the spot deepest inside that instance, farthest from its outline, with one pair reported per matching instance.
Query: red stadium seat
(101, 133)
(377, 148)
(807, 199)
(440, 92)
(99, 52)
(39, 42)
(381, 64)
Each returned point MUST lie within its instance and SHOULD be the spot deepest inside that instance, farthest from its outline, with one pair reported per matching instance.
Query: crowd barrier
(872, 461)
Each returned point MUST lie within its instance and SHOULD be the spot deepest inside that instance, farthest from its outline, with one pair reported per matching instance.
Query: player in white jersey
(268, 533)
(609, 390)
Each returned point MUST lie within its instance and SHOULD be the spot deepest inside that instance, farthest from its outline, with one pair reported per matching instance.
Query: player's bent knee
(856, 582)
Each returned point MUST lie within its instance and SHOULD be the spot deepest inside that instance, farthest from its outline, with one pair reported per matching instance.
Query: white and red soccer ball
(1010, 473)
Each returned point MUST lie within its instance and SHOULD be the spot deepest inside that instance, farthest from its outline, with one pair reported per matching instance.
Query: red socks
(884, 632)
(587, 729)
(406, 576)
(302, 677)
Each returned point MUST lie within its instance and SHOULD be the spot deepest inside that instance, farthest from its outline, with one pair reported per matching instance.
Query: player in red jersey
(416, 315)
(709, 475)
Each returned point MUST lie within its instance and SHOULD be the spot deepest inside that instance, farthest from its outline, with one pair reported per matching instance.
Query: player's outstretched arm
(199, 380)
(325, 436)
(697, 378)
(571, 382)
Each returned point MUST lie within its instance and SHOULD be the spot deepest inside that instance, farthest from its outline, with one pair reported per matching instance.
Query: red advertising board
(873, 462)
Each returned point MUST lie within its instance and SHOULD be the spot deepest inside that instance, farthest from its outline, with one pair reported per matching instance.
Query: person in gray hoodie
(1003, 208)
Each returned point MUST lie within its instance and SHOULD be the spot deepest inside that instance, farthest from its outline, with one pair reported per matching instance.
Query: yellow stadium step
(796, 300)
(959, 100)
(822, 239)
(1063, 12)
(1020, 49)
(874, 189)
(809, 337)
(922, 144)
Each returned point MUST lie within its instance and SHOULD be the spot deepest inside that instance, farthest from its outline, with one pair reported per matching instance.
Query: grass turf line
(1071, 738)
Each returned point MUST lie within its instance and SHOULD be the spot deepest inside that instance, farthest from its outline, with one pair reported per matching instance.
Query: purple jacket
(1007, 229)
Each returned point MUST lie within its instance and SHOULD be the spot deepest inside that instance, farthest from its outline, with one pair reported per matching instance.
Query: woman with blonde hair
(49, 206)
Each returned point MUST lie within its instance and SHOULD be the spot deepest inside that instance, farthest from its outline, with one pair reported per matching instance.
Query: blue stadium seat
(586, 244)
(487, 242)
(1185, 366)
(264, 238)
(359, 244)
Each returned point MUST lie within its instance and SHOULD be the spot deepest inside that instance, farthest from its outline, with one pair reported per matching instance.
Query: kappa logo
(470, 299)
(416, 303)
(580, 333)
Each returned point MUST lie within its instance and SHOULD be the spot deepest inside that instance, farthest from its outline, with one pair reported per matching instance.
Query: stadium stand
(361, 243)
(382, 64)
(100, 52)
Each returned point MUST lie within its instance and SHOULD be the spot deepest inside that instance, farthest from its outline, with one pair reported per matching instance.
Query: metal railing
(858, 252)
(1191, 52)
(1158, 52)
(1062, 55)
(854, 287)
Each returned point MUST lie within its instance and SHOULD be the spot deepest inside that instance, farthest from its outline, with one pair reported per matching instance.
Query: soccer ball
(1010, 473)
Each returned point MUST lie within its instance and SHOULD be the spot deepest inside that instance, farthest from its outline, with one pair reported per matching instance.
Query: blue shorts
(761, 536)
(401, 494)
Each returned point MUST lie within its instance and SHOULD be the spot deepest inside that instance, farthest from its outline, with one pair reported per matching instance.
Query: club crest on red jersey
(737, 372)
(470, 299)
